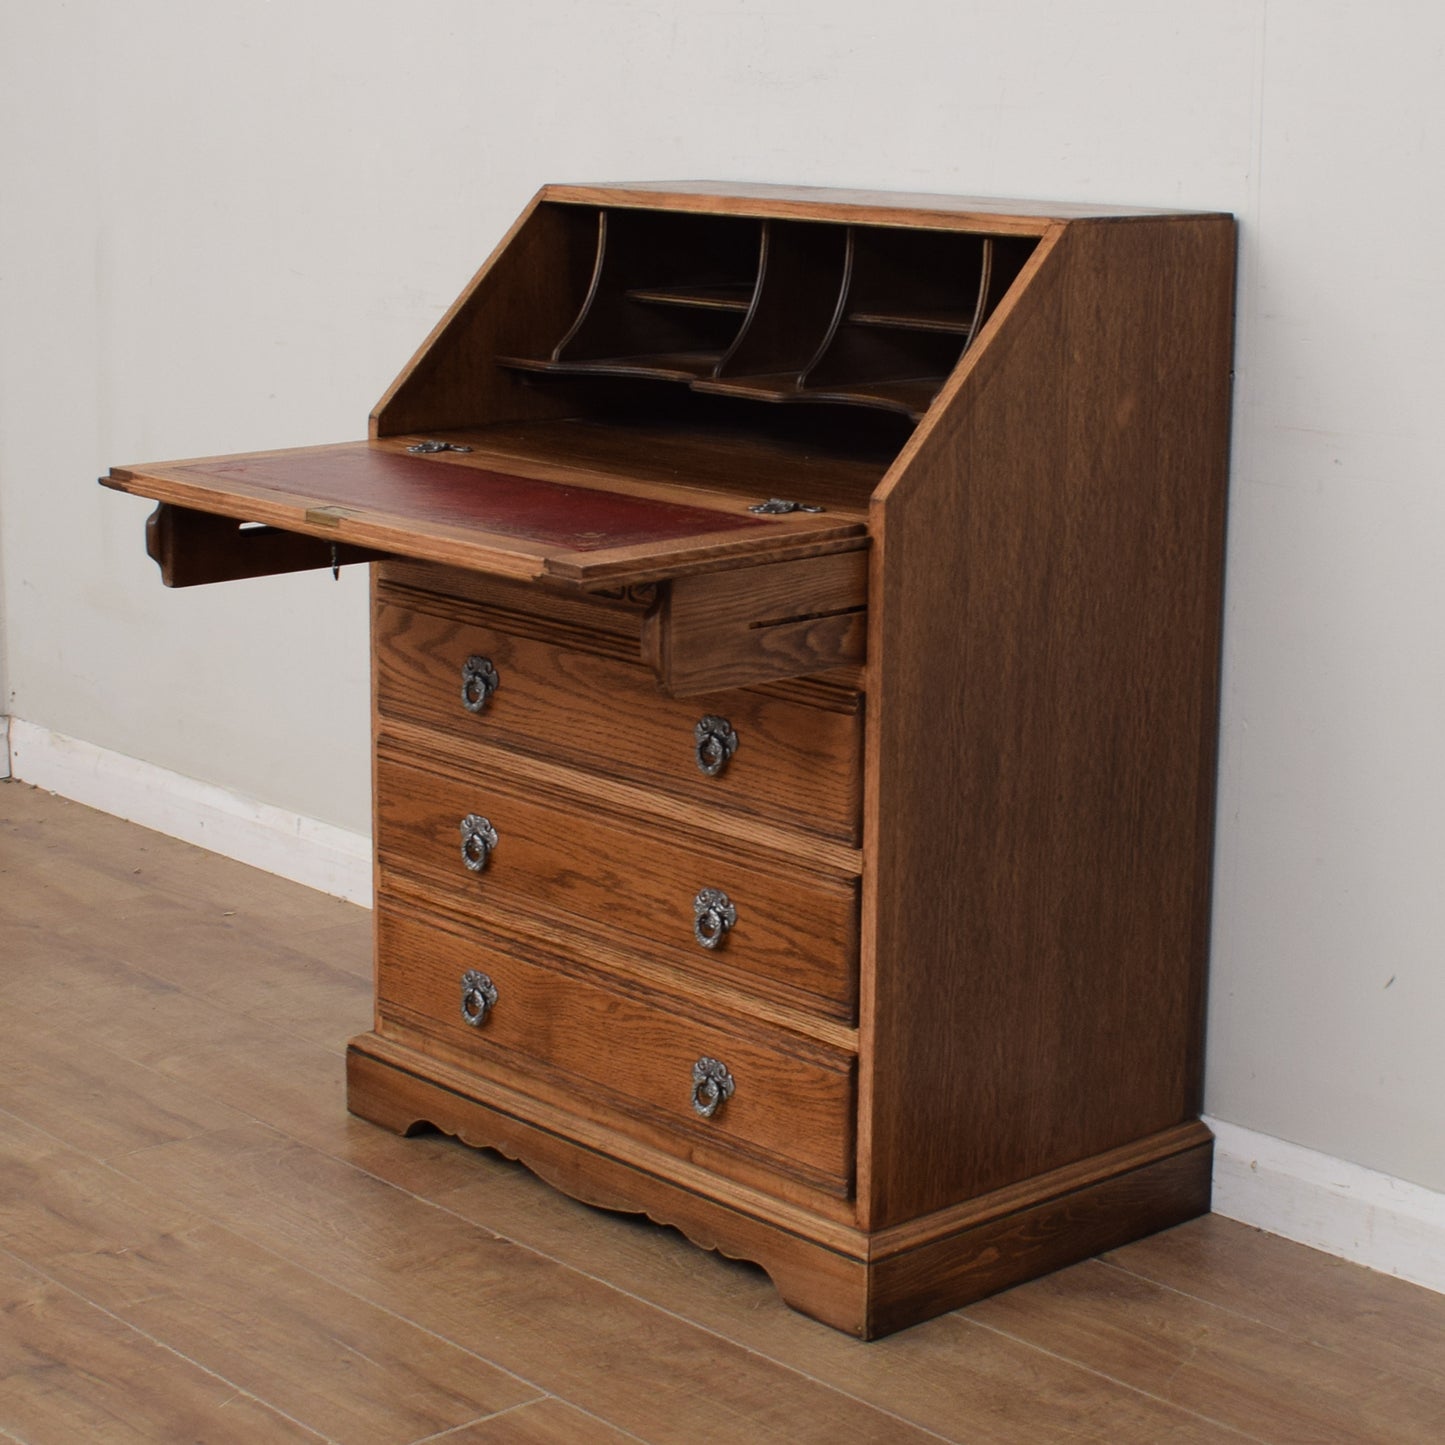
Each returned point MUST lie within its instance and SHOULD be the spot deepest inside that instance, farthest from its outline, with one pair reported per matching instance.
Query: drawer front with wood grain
(501, 846)
(689, 1084)
(744, 751)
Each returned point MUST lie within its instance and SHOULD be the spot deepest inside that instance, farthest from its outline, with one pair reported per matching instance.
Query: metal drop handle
(713, 914)
(712, 1086)
(479, 997)
(478, 840)
(479, 682)
(715, 743)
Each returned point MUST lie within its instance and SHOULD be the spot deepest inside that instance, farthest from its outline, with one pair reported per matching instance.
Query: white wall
(225, 226)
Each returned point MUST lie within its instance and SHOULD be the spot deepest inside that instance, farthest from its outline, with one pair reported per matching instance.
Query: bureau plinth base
(865, 1285)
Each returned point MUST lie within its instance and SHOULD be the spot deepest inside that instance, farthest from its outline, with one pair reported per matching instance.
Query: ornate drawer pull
(712, 1086)
(479, 682)
(716, 742)
(713, 914)
(478, 840)
(479, 997)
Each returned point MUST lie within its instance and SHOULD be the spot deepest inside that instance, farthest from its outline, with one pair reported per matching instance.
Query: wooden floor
(197, 1243)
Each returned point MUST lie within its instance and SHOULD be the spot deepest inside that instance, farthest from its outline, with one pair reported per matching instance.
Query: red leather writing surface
(582, 519)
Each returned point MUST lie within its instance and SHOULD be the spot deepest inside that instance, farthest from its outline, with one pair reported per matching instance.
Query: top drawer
(792, 763)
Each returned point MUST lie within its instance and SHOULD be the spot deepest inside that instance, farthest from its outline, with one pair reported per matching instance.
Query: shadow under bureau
(795, 631)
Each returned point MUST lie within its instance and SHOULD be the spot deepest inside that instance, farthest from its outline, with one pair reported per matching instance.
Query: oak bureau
(795, 629)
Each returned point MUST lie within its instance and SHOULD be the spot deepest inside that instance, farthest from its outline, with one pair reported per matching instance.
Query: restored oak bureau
(796, 627)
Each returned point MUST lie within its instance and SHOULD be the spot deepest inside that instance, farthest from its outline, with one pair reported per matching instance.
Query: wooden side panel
(519, 303)
(1045, 617)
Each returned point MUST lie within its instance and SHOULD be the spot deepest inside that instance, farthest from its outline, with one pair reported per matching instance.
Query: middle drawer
(500, 846)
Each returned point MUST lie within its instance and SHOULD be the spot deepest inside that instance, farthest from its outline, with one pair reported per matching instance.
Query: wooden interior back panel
(529, 287)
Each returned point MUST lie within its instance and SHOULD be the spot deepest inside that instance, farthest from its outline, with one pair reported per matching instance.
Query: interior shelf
(916, 318)
(771, 386)
(737, 297)
(781, 311)
(661, 366)
(910, 395)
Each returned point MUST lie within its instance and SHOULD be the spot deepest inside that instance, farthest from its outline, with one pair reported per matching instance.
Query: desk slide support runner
(796, 624)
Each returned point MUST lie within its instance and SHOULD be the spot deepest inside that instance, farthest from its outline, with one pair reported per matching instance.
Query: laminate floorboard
(197, 1242)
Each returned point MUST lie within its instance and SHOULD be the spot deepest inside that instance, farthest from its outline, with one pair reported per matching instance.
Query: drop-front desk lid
(574, 521)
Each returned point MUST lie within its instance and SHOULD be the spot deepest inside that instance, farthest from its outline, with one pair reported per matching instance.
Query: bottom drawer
(624, 1059)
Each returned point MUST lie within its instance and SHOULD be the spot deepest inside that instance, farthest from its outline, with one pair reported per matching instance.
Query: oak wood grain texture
(390, 1072)
(887, 208)
(192, 548)
(638, 452)
(648, 461)
(865, 1285)
(753, 624)
(797, 297)
(971, 1263)
(607, 621)
(69, 899)
(616, 877)
(812, 1260)
(622, 1054)
(715, 830)
(524, 296)
(719, 830)
(680, 989)
(653, 249)
(1043, 672)
(1044, 623)
(796, 765)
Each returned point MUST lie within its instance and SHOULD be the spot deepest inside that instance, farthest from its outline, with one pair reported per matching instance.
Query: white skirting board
(4, 747)
(1329, 1204)
(317, 854)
